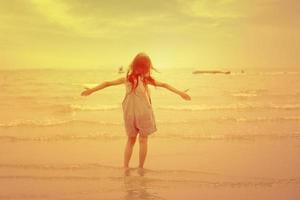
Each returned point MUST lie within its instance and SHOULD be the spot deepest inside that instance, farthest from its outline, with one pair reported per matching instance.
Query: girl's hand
(87, 92)
(185, 96)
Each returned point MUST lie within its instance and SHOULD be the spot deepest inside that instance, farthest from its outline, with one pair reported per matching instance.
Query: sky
(208, 34)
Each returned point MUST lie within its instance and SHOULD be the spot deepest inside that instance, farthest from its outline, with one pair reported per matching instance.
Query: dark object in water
(210, 72)
(121, 70)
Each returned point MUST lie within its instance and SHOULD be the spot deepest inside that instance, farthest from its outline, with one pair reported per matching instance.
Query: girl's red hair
(141, 66)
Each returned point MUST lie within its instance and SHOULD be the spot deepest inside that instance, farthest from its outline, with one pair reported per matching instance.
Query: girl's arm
(101, 86)
(183, 94)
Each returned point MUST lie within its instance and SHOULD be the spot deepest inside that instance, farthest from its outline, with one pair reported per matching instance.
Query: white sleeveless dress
(137, 110)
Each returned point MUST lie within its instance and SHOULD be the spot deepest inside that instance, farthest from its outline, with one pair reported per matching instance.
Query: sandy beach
(176, 169)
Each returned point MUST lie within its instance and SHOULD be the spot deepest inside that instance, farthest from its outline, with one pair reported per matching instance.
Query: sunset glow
(150, 99)
(176, 33)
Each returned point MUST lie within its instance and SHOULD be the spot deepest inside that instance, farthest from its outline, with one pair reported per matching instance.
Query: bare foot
(126, 171)
(141, 171)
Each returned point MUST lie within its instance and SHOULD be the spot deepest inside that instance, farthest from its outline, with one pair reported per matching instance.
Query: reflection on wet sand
(136, 185)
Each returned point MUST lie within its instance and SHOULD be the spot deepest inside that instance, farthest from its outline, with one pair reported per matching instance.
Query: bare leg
(128, 150)
(143, 150)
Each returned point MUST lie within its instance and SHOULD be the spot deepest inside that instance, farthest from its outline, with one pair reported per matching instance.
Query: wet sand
(175, 169)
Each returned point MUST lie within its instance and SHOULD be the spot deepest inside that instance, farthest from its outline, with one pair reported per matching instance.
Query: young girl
(137, 107)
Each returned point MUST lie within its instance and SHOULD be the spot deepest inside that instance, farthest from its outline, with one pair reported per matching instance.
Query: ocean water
(70, 147)
(236, 106)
